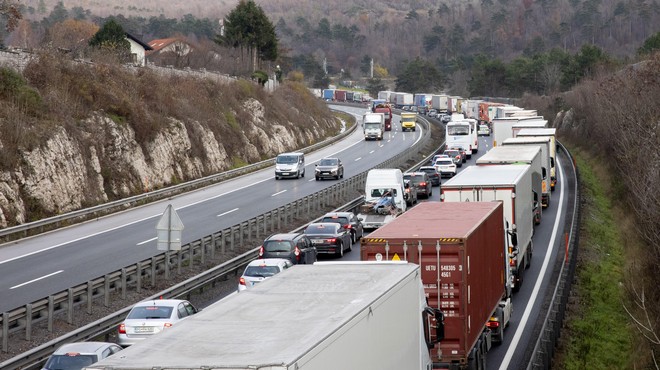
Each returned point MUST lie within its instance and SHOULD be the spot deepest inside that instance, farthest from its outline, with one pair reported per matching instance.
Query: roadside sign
(169, 230)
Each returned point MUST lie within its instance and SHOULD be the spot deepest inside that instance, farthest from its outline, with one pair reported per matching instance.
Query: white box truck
(373, 126)
(550, 133)
(327, 316)
(529, 123)
(404, 99)
(439, 102)
(530, 155)
(384, 200)
(546, 162)
(502, 128)
(511, 184)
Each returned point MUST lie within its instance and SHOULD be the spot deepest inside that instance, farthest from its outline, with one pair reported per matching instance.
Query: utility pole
(371, 64)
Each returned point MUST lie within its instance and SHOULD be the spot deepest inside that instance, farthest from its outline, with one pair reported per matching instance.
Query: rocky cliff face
(100, 160)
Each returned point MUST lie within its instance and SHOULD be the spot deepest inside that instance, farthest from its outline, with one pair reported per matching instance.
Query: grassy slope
(598, 334)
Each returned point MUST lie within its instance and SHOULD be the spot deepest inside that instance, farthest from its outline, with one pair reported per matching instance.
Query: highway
(36, 267)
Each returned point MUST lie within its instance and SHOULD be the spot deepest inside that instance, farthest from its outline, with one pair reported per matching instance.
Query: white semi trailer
(546, 161)
(329, 316)
(511, 184)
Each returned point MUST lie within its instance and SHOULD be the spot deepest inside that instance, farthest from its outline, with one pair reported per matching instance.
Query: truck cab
(408, 121)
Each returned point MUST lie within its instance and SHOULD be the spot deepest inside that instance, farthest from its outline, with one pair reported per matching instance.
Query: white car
(445, 166)
(483, 130)
(260, 270)
(75, 356)
(148, 318)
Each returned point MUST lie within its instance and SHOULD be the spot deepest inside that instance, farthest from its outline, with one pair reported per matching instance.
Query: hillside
(74, 134)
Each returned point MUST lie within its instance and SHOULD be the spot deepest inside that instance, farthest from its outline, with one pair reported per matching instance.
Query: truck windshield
(287, 159)
(372, 125)
(375, 193)
(458, 130)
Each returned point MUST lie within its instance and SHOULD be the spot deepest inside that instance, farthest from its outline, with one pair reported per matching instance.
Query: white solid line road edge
(228, 212)
(539, 279)
(37, 279)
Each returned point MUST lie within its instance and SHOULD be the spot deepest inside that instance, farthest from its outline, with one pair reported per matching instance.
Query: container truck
(328, 94)
(505, 110)
(408, 121)
(550, 133)
(385, 95)
(387, 111)
(332, 315)
(531, 155)
(511, 184)
(350, 95)
(461, 250)
(487, 111)
(340, 95)
(503, 127)
(546, 163)
(384, 192)
(404, 100)
(522, 113)
(540, 123)
(373, 126)
(471, 109)
(439, 102)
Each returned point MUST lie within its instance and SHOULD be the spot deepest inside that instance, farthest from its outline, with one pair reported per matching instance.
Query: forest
(471, 46)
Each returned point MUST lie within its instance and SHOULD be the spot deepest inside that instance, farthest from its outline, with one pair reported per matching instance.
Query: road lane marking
(37, 279)
(278, 193)
(228, 212)
(371, 152)
(539, 279)
(310, 180)
(357, 159)
(146, 241)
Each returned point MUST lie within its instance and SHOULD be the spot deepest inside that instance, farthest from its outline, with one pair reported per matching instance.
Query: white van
(290, 165)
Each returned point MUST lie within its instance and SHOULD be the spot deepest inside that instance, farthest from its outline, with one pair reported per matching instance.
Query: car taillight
(167, 325)
(493, 324)
(348, 226)
(332, 240)
(122, 328)
(241, 281)
(261, 251)
(422, 184)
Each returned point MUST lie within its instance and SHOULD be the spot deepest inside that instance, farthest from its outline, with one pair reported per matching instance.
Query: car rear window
(340, 220)
(261, 271)
(443, 161)
(415, 179)
(150, 312)
(321, 229)
(70, 361)
(278, 246)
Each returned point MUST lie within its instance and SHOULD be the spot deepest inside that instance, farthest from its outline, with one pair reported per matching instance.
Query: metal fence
(544, 349)
(98, 290)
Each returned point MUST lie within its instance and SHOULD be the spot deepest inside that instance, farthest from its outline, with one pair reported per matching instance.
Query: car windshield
(452, 152)
(70, 361)
(328, 162)
(287, 159)
(278, 246)
(339, 220)
(458, 130)
(261, 271)
(150, 312)
(321, 229)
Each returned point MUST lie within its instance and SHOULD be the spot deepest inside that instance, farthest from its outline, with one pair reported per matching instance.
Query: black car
(421, 182)
(347, 220)
(329, 238)
(433, 174)
(329, 168)
(295, 247)
(410, 194)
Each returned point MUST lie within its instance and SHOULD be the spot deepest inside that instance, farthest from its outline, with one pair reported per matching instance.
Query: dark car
(348, 220)
(295, 247)
(456, 156)
(433, 174)
(329, 238)
(462, 151)
(421, 182)
(410, 194)
(329, 168)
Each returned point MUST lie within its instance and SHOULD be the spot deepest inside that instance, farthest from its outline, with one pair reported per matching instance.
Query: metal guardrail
(132, 276)
(544, 348)
(92, 212)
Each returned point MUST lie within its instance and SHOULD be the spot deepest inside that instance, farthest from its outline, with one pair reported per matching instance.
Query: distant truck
(340, 95)
(373, 126)
(439, 102)
(404, 99)
(530, 155)
(539, 123)
(550, 133)
(487, 111)
(387, 112)
(384, 197)
(408, 121)
(328, 94)
(546, 161)
(503, 127)
(511, 184)
(464, 265)
(314, 317)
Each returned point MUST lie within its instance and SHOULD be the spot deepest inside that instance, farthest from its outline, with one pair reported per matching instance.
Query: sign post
(168, 231)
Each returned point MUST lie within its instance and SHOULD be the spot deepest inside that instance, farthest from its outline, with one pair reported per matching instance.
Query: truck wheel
(528, 259)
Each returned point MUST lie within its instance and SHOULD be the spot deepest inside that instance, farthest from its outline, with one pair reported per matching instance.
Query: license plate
(143, 329)
(317, 241)
(285, 173)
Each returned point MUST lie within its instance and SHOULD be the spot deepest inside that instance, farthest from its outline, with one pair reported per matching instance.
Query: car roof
(325, 224)
(160, 302)
(269, 262)
(444, 160)
(338, 214)
(283, 236)
(430, 168)
(82, 347)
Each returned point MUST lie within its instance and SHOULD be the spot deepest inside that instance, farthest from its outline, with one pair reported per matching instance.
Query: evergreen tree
(419, 75)
(650, 45)
(111, 37)
(374, 85)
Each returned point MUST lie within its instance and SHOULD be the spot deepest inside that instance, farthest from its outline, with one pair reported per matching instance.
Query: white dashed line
(224, 213)
(371, 152)
(357, 159)
(37, 279)
(278, 193)
(146, 241)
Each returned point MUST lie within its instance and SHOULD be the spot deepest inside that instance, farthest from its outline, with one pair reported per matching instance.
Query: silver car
(329, 168)
(260, 270)
(75, 356)
(152, 317)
